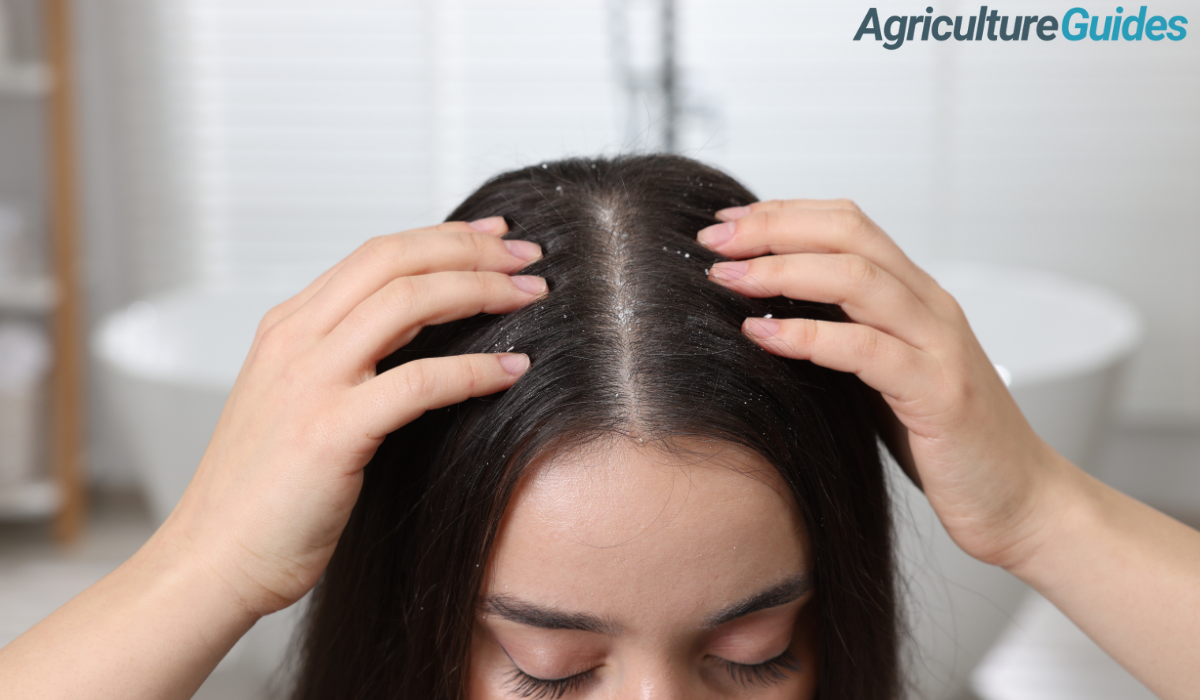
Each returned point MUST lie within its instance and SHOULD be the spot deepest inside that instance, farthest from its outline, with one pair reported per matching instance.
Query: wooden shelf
(30, 501)
(59, 296)
(67, 397)
(25, 79)
(34, 295)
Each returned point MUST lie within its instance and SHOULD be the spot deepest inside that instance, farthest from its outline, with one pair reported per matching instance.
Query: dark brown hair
(631, 337)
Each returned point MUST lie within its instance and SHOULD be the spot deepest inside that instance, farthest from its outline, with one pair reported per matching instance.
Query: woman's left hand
(1006, 497)
(964, 441)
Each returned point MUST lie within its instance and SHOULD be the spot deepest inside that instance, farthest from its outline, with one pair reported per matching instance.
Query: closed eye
(768, 673)
(524, 685)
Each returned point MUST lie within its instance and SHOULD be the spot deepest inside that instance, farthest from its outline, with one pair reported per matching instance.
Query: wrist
(185, 571)
(1068, 503)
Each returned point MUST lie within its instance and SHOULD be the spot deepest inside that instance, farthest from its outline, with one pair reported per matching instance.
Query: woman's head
(643, 394)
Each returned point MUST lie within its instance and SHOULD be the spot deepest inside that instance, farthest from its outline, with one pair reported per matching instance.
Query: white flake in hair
(624, 301)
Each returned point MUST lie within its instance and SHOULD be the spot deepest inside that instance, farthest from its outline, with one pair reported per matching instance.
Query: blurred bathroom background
(227, 151)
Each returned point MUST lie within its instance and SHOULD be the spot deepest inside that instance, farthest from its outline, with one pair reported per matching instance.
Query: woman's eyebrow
(534, 615)
(779, 594)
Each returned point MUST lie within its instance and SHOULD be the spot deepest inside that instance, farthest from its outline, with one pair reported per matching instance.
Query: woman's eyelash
(527, 686)
(767, 673)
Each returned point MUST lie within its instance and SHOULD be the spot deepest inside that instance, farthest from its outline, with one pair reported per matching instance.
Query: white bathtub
(167, 366)
(169, 363)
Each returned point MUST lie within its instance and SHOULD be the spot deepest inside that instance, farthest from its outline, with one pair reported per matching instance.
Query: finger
(867, 293)
(491, 225)
(401, 394)
(834, 230)
(450, 246)
(895, 437)
(391, 317)
(886, 364)
(737, 212)
(287, 307)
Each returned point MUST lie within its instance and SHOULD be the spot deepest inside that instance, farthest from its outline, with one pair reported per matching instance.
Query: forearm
(1128, 575)
(154, 628)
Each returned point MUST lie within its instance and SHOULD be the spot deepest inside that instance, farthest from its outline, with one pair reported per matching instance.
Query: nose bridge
(660, 689)
(658, 679)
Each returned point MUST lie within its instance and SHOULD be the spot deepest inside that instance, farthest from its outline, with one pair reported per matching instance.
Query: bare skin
(653, 556)
(275, 488)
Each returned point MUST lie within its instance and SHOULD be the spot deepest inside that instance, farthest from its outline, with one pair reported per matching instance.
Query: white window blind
(315, 125)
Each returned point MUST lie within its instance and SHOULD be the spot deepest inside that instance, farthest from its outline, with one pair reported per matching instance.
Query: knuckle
(851, 220)
(866, 343)
(272, 339)
(774, 266)
(385, 249)
(847, 204)
(486, 284)
(951, 308)
(770, 219)
(270, 320)
(473, 245)
(417, 381)
(402, 295)
(862, 272)
(807, 331)
(474, 374)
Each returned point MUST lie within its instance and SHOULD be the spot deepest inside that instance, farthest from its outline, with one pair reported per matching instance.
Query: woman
(576, 487)
(643, 381)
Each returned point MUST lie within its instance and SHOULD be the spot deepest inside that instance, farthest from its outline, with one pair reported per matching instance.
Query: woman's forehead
(640, 528)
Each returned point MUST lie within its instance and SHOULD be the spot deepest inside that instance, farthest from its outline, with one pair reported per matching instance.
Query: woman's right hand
(283, 470)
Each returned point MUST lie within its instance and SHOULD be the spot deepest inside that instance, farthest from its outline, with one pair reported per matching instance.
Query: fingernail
(732, 213)
(524, 250)
(730, 271)
(716, 234)
(515, 363)
(491, 224)
(530, 284)
(762, 327)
